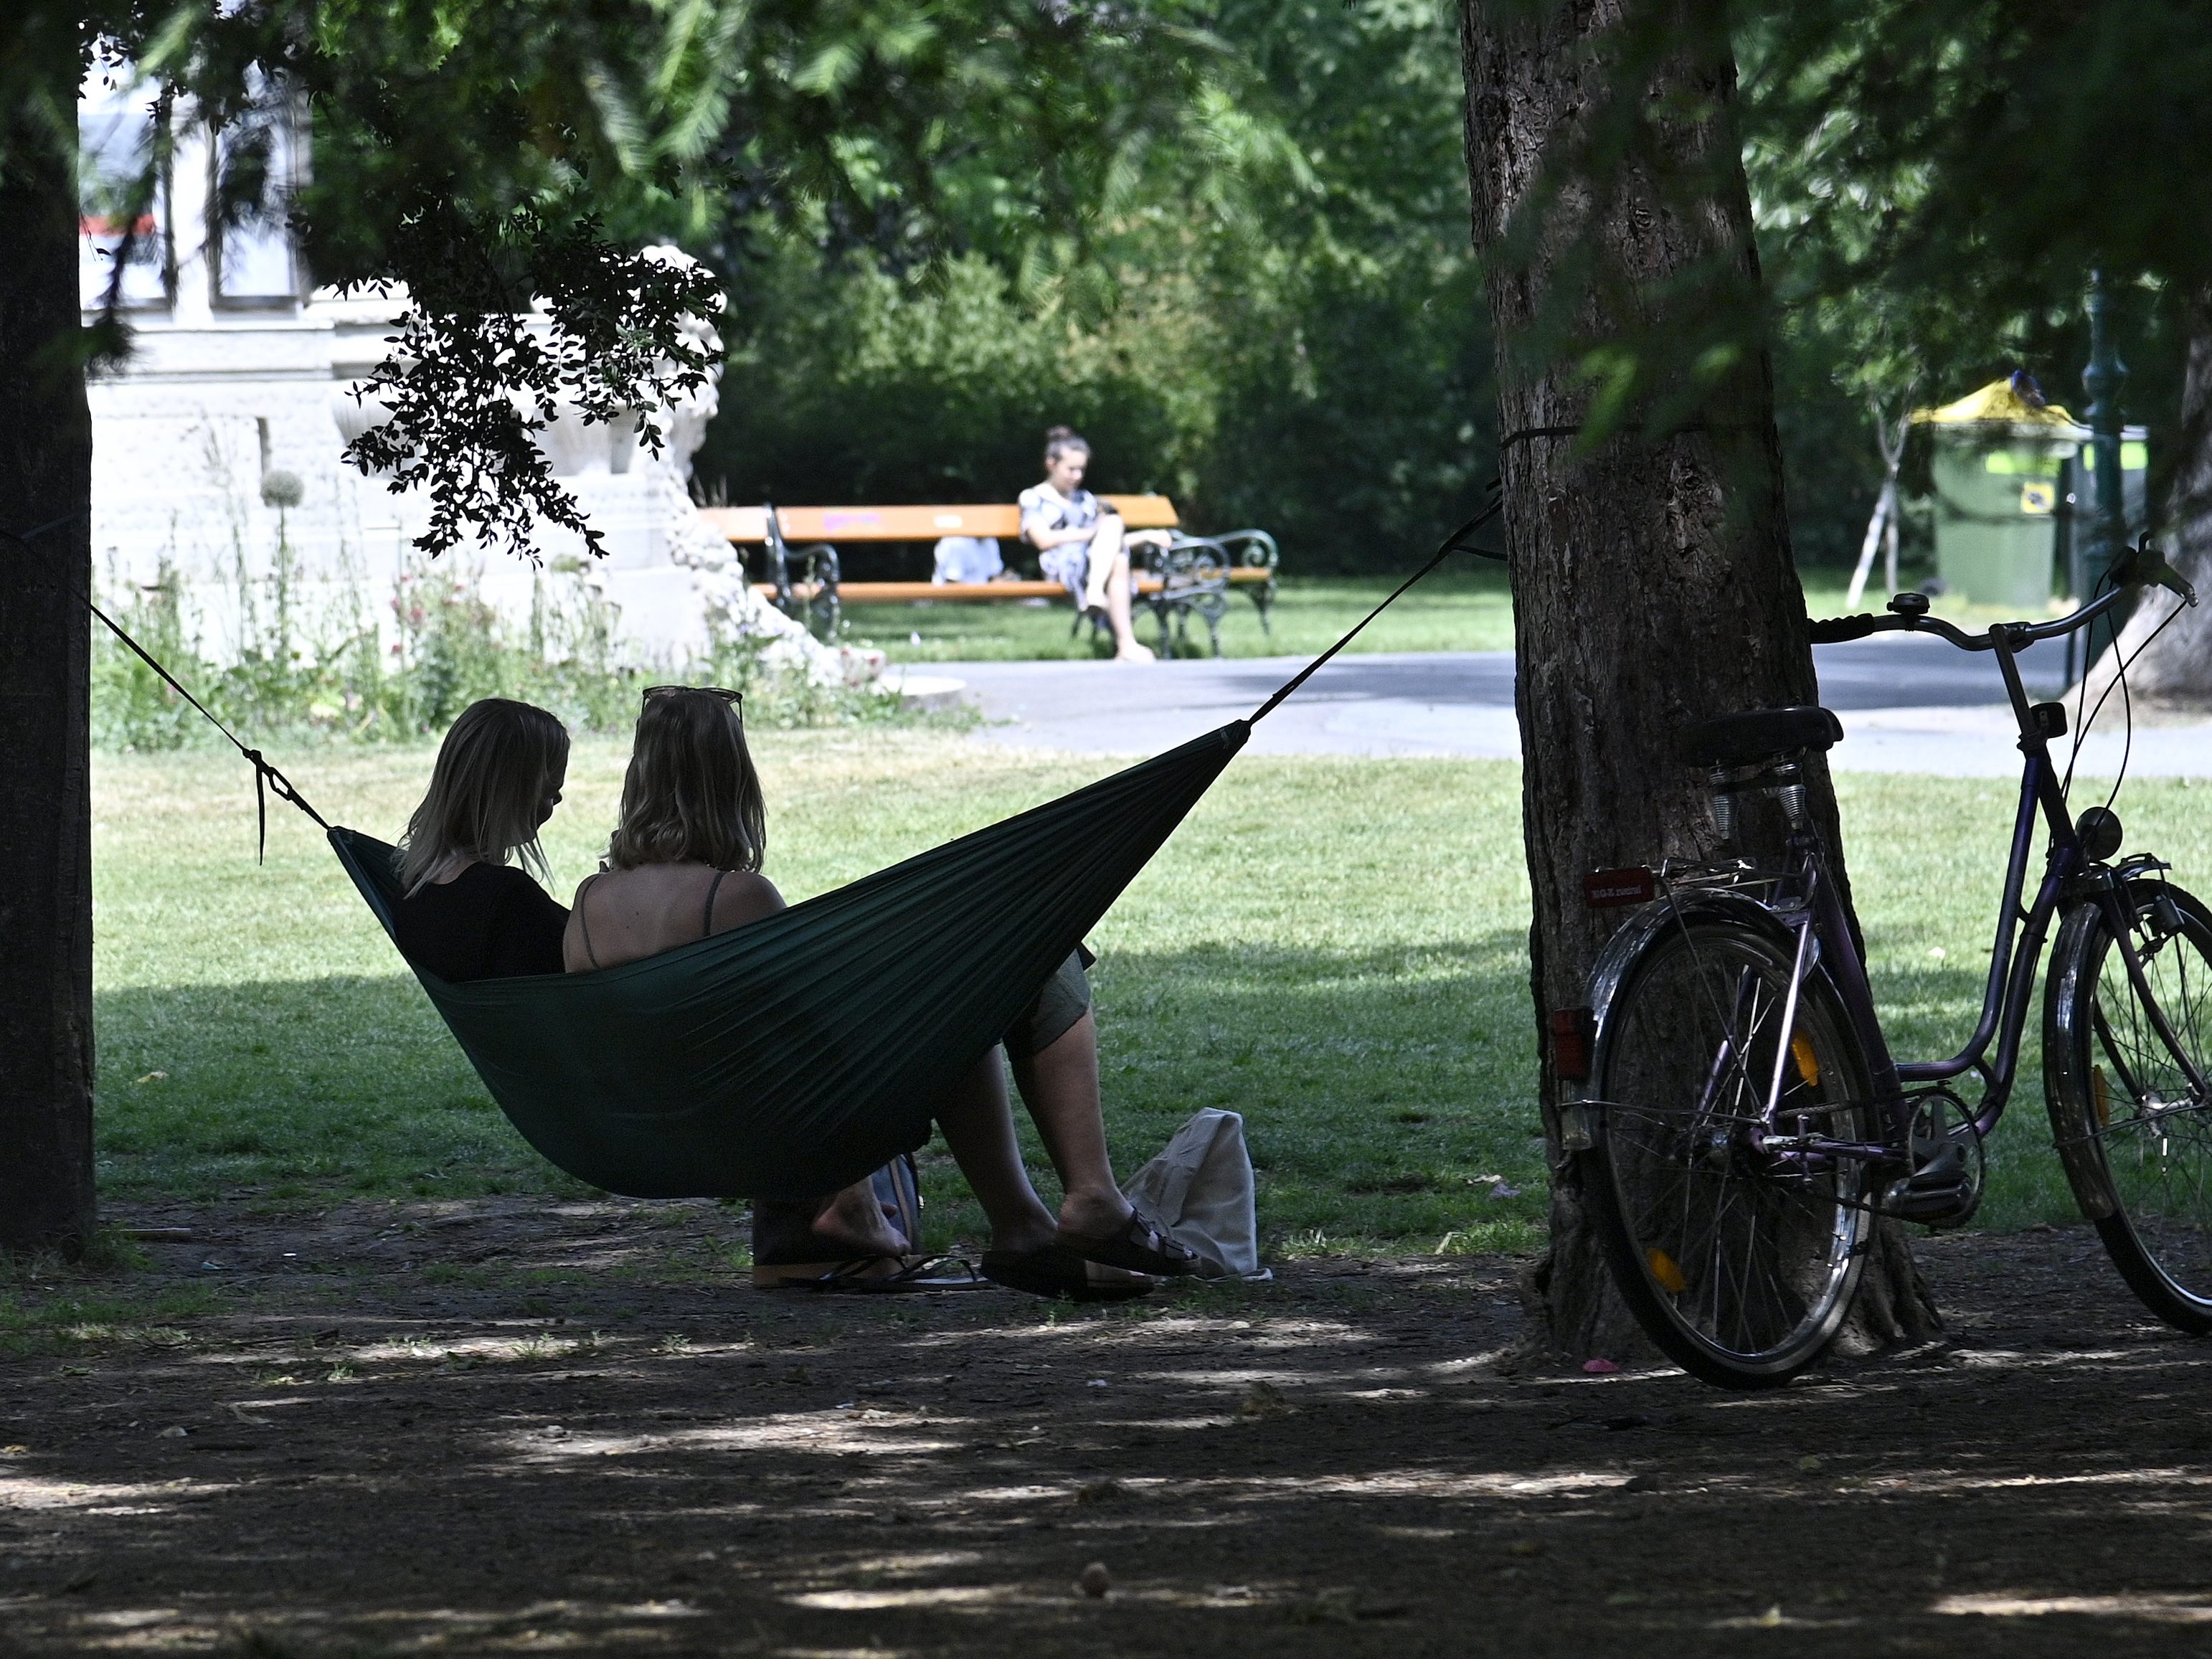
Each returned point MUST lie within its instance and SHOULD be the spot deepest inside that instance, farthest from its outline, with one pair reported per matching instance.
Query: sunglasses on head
(722, 692)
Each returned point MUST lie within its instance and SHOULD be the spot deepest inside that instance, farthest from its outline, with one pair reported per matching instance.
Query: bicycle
(1738, 1121)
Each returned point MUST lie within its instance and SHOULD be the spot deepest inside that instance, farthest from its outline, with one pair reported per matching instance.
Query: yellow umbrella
(1998, 402)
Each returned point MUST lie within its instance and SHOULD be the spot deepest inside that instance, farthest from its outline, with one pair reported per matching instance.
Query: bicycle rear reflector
(1604, 889)
(1808, 1066)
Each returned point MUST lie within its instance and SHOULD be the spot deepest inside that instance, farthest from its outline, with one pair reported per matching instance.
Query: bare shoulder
(744, 896)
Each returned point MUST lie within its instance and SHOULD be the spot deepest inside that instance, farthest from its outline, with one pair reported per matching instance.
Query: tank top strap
(584, 919)
(706, 912)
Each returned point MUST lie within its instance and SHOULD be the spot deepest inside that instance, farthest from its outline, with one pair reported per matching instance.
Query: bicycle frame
(2016, 953)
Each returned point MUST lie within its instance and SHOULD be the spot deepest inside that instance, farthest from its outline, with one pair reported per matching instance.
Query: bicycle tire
(1739, 1262)
(2134, 1137)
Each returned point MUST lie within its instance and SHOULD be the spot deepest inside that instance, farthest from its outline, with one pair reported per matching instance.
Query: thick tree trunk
(46, 901)
(2176, 669)
(1652, 584)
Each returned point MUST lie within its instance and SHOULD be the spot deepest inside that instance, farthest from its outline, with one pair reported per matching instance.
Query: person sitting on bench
(684, 861)
(1081, 543)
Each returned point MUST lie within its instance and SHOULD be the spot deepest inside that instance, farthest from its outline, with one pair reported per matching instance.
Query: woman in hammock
(465, 913)
(684, 861)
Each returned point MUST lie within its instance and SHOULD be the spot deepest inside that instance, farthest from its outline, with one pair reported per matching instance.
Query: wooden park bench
(1191, 574)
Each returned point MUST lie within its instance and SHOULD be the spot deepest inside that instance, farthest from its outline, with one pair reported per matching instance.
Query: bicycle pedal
(1943, 1192)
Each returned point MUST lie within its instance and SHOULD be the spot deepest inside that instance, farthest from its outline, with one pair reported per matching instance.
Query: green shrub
(447, 649)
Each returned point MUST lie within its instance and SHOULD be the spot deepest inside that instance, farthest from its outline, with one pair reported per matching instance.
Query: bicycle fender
(2064, 1090)
(1611, 970)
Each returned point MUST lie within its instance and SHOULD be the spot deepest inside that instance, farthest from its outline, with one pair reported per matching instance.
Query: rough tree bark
(45, 902)
(1652, 583)
(2178, 668)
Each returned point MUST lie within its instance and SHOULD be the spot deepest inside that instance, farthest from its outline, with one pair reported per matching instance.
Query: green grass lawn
(1462, 607)
(1336, 948)
(1465, 606)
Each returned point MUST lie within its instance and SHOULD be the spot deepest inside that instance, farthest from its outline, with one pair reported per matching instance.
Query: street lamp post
(2096, 554)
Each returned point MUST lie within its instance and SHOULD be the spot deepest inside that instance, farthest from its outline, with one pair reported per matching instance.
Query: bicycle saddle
(1757, 735)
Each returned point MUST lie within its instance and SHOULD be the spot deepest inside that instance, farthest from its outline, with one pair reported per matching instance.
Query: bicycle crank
(1945, 1187)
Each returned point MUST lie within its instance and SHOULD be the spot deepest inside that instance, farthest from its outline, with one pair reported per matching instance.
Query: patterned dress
(1044, 507)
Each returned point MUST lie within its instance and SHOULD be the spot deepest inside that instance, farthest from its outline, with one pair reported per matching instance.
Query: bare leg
(1106, 587)
(1059, 1085)
(978, 1124)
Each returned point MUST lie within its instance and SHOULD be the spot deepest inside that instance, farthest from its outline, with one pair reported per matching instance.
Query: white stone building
(216, 450)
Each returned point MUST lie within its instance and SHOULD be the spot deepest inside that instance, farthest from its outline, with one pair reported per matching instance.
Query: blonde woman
(1080, 542)
(684, 862)
(466, 912)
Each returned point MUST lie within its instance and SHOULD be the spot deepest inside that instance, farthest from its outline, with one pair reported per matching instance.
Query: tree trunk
(45, 902)
(2178, 668)
(1652, 583)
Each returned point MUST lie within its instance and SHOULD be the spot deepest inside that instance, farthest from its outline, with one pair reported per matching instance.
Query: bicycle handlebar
(2142, 566)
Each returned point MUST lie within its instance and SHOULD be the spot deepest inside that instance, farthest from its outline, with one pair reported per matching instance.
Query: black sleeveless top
(491, 921)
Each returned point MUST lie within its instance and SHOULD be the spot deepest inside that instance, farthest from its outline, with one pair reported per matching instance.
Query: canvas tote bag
(1198, 1192)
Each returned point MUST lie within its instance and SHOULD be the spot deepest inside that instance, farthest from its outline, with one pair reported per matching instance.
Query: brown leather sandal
(1137, 1245)
(1057, 1270)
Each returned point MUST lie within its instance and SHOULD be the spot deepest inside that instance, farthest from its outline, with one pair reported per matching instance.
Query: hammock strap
(267, 779)
(1453, 544)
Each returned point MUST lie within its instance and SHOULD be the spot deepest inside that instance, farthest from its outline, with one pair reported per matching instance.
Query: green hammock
(794, 1055)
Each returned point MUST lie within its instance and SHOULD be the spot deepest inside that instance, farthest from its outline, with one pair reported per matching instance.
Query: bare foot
(1134, 652)
(853, 1222)
(1094, 1214)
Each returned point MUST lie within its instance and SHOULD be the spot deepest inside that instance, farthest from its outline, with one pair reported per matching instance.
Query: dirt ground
(513, 1426)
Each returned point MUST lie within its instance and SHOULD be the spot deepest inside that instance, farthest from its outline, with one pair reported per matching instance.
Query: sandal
(1057, 1270)
(875, 1274)
(1137, 1245)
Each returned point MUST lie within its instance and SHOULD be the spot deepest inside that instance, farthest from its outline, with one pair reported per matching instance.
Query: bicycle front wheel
(2133, 1127)
(1734, 1238)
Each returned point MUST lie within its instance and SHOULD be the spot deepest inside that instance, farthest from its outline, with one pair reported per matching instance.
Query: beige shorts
(1057, 1008)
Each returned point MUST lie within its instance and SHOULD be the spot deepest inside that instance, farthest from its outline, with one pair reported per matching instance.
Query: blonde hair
(691, 795)
(494, 768)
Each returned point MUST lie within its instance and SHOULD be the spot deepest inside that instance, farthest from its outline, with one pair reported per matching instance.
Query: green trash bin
(1996, 468)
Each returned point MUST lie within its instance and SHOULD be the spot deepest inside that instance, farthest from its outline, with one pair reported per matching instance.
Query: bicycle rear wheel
(2133, 1130)
(1738, 1256)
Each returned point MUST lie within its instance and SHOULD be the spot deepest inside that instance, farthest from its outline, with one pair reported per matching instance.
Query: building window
(252, 164)
(123, 201)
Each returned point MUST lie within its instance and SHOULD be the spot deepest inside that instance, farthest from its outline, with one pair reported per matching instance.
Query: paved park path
(1908, 705)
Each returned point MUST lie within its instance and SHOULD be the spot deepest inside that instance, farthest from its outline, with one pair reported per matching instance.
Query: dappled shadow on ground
(509, 1425)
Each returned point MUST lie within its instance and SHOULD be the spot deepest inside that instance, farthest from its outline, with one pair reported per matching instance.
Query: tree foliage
(496, 155)
(1287, 276)
(1936, 178)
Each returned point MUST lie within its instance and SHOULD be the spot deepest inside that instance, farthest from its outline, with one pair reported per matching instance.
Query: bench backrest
(913, 524)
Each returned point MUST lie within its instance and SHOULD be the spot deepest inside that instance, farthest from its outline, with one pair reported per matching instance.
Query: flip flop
(1056, 1270)
(872, 1275)
(1137, 1245)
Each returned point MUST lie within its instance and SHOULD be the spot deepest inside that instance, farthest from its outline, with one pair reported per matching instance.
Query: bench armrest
(819, 561)
(1254, 550)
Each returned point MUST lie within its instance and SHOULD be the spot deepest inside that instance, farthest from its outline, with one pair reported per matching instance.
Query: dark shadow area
(599, 1447)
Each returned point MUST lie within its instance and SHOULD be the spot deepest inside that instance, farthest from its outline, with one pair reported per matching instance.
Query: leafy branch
(502, 327)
